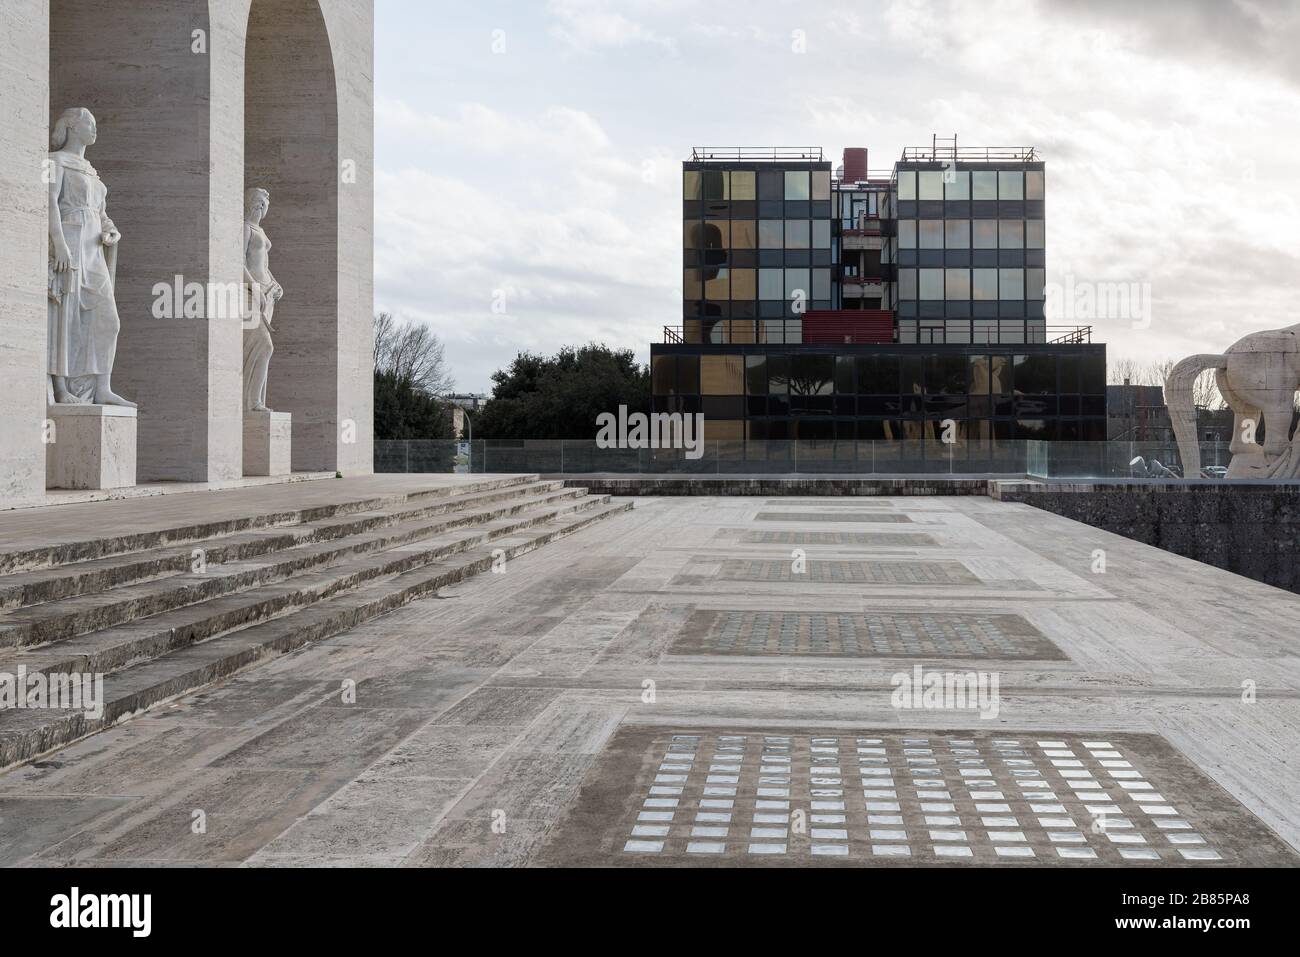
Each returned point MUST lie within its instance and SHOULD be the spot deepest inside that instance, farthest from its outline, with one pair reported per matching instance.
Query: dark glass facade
(900, 392)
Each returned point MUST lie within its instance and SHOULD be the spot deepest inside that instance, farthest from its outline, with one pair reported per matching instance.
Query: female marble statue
(264, 293)
(82, 314)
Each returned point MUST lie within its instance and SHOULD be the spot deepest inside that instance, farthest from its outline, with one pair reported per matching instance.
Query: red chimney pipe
(855, 164)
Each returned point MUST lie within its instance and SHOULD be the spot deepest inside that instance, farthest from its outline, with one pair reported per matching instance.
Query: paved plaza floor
(717, 680)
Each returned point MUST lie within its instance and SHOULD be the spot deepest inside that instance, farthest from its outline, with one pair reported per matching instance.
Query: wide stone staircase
(164, 612)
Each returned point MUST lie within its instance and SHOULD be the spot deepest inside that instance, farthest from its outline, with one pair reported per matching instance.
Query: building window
(719, 287)
(907, 234)
(742, 234)
(984, 184)
(984, 284)
(906, 184)
(957, 234)
(797, 283)
(1011, 184)
(931, 234)
(1034, 184)
(796, 234)
(713, 184)
(821, 284)
(771, 184)
(906, 283)
(931, 284)
(1034, 234)
(721, 375)
(1011, 234)
(770, 234)
(770, 283)
(985, 233)
(796, 184)
(742, 184)
(742, 284)
(821, 184)
(1011, 284)
(929, 184)
(958, 185)
(956, 284)
(821, 234)
(1035, 280)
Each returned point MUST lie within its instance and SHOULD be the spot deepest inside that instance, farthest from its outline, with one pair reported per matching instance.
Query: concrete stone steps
(24, 589)
(64, 553)
(57, 620)
(110, 649)
(27, 734)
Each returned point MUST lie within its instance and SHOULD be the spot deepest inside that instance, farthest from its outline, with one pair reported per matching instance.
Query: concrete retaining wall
(1250, 528)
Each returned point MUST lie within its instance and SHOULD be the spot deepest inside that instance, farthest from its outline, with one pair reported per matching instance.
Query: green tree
(559, 397)
(404, 412)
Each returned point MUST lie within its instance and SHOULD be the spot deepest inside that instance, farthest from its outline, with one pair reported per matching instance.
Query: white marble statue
(82, 311)
(264, 293)
(1258, 376)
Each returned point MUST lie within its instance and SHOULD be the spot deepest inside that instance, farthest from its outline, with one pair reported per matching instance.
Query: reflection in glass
(959, 185)
(796, 234)
(821, 184)
(718, 287)
(1034, 184)
(796, 184)
(797, 282)
(931, 234)
(956, 284)
(984, 184)
(907, 284)
(1011, 184)
(1011, 284)
(770, 234)
(957, 234)
(984, 284)
(742, 184)
(985, 233)
(691, 184)
(931, 283)
(1011, 234)
(929, 184)
(743, 284)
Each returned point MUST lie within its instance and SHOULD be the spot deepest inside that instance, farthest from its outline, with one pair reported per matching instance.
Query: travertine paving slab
(862, 635)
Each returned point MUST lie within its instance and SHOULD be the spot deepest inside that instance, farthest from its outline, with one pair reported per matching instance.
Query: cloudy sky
(529, 155)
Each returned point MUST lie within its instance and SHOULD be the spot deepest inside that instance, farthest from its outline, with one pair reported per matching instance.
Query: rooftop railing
(970, 154)
(771, 154)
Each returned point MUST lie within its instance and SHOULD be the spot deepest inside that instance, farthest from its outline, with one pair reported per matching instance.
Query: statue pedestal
(268, 438)
(90, 447)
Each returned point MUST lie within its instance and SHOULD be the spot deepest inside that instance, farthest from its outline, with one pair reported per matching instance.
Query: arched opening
(291, 148)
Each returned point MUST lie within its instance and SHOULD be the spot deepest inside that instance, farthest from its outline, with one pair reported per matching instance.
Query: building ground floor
(765, 393)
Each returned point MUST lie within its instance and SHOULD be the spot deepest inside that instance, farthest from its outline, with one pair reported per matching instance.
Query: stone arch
(291, 147)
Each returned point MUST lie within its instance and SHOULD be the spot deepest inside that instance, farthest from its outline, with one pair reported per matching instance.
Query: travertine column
(24, 139)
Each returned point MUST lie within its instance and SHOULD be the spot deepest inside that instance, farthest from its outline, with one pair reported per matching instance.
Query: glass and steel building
(848, 304)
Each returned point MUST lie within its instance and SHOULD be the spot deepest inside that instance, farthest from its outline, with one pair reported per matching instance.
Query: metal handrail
(764, 153)
(973, 154)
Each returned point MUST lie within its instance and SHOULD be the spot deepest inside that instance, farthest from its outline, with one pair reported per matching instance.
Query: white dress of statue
(82, 312)
(264, 293)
